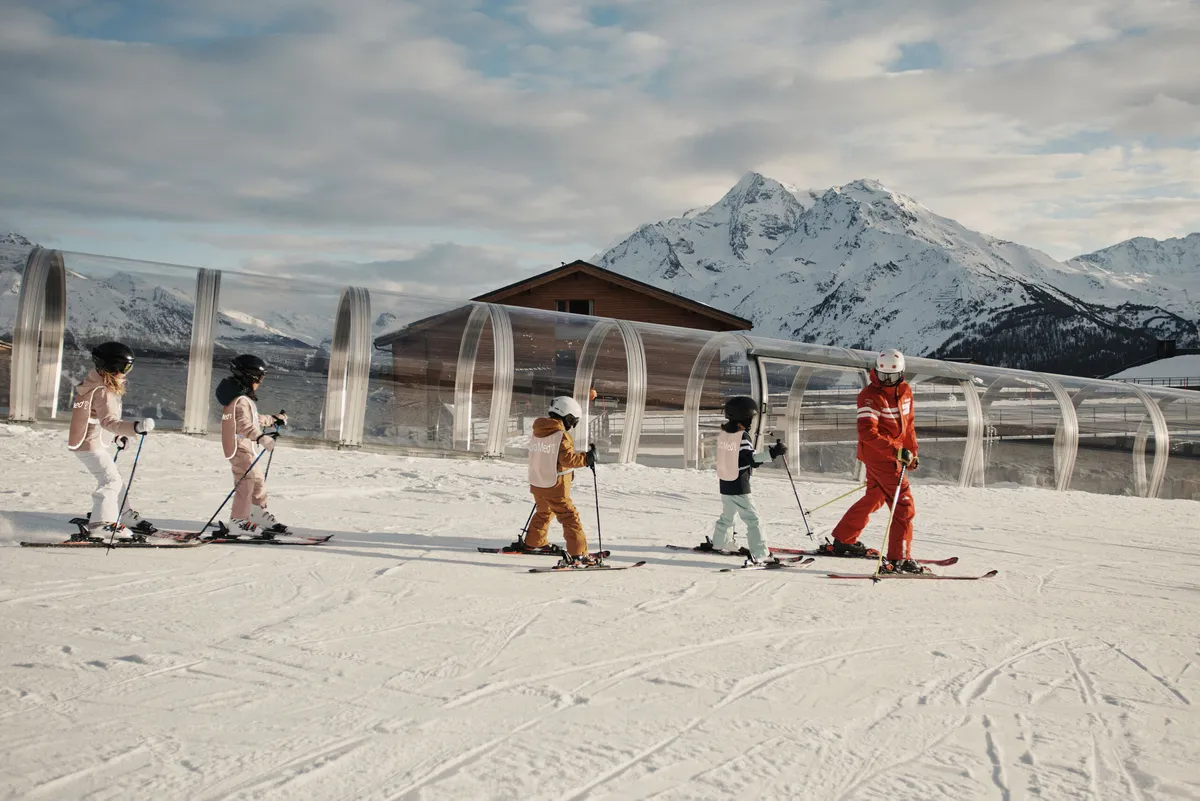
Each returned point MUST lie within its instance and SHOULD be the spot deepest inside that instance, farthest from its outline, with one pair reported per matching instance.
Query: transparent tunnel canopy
(12, 264)
(364, 366)
(148, 307)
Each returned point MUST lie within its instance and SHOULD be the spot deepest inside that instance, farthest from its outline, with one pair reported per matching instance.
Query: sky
(446, 147)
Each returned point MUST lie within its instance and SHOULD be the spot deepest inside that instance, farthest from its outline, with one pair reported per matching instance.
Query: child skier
(552, 458)
(96, 409)
(241, 437)
(887, 440)
(735, 462)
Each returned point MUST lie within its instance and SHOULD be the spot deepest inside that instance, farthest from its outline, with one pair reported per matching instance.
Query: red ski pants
(881, 488)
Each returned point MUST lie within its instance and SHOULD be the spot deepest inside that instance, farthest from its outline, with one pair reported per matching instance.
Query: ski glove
(906, 457)
(778, 449)
(267, 441)
(591, 456)
(144, 426)
(913, 464)
(281, 418)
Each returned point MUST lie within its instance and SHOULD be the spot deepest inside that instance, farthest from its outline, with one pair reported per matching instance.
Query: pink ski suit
(94, 410)
(241, 428)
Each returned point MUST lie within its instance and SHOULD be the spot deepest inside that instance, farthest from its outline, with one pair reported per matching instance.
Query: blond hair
(114, 382)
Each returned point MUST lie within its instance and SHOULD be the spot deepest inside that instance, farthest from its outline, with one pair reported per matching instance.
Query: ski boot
(266, 522)
(855, 550)
(901, 566)
(114, 532)
(519, 546)
(580, 562)
(237, 527)
(751, 559)
(137, 524)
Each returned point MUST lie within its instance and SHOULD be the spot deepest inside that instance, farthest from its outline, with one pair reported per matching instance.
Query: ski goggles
(125, 368)
(889, 379)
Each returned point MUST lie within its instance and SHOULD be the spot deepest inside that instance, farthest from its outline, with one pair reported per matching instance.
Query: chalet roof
(500, 295)
(579, 266)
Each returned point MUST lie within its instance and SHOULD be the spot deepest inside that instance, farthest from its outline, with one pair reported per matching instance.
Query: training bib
(728, 447)
(543, 460)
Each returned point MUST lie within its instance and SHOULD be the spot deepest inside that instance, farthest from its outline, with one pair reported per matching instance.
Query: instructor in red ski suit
(887, 440)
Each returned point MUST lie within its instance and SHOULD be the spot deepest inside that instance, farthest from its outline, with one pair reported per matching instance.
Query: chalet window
(575, 306)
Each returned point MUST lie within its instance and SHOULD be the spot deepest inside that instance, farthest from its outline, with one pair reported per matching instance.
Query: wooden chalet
(546, 349)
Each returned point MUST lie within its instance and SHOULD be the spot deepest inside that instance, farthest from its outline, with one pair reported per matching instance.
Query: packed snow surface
(1185, 366)
(397, 662)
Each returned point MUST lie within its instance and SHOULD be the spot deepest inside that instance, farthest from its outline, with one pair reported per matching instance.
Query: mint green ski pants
(741, 506)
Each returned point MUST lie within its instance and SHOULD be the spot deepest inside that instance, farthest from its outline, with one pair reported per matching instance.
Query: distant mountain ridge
(863, 266)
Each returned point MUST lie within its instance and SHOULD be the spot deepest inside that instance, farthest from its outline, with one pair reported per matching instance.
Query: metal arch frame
(635, 383)
(200, 356)
(349, 369)
(37, 346)
(502, 379)
(695, 387)
(795, 405)
(1162, 438)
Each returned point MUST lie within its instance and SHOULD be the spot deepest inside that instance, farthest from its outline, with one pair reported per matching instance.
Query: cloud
(443, 270)
(559, 123)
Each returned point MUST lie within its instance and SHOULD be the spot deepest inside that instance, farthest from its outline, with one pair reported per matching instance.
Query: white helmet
(566, 409)
(889, 367)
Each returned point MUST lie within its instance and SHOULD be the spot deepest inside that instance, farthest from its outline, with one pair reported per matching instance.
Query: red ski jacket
(886, 423)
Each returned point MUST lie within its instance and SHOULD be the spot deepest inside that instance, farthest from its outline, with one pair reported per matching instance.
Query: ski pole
(596, 489)
(237, 484)
(528, 520)
(278, 425)
(803, 516)
(128, 486)
(887, 533)
(838, 498)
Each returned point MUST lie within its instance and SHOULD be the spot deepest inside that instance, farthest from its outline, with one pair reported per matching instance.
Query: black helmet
(741, 409)
(112, 357)
(248, 368)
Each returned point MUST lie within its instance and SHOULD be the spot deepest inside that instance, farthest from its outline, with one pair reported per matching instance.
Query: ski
(702, 549)
(227, 540)
(799, 561)
(92, 543)
(508, 550)
(871, 554)
(581, 569)
(926, 576)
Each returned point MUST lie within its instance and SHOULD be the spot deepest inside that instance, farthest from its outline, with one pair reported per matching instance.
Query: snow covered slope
(864, 266)
(398, 663)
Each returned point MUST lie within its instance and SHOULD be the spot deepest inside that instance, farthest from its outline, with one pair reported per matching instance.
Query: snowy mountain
(1168, 269)
(863, 266)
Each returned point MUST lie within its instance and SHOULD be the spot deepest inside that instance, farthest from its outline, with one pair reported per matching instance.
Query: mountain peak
(12, 238)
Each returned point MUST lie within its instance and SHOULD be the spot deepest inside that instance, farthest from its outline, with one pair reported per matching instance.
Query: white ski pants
(739, 506)
(107, 496)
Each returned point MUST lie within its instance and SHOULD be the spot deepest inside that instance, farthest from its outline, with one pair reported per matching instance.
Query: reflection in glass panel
(670, 355)
(1183, 421)
(1021, 418)
(1110, 417)
(148, 307)
(290, 325)
(824, 403)
(942, 421)
(416, 341)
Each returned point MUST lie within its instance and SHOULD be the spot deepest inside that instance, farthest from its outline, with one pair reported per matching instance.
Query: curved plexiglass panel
(359, 365)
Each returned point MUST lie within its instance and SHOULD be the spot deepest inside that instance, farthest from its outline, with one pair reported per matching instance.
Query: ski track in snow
(397, 662)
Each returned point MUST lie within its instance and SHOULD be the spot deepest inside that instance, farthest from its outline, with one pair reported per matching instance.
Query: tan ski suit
(547, 463)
